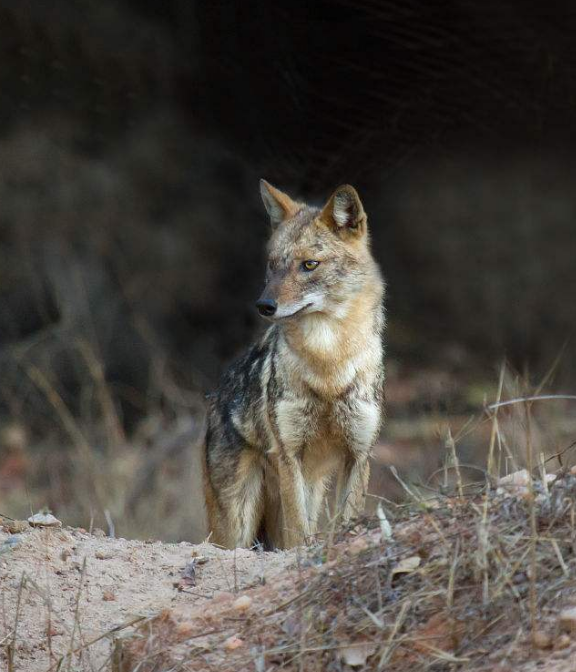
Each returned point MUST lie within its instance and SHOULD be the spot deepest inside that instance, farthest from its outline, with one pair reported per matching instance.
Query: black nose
(266, 307)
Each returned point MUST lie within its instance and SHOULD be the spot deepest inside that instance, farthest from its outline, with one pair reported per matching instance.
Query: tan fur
(305, 403)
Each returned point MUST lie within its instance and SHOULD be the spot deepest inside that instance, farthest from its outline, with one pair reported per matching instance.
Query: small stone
(562, 642)
(518, 483)
(517, 478)
(355, 655)
(568, 620)
(16, 526)
(10, 543)
(186, 629)
(358, 545)
(542, 640)
(108, 595)
(407, 565)
(102, 555)
(233, 643)
(44, 520)
(242, 604)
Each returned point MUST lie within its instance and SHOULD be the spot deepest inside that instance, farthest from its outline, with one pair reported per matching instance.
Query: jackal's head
(318, 259)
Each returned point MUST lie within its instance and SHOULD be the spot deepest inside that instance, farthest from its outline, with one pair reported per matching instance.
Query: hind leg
(235, 508)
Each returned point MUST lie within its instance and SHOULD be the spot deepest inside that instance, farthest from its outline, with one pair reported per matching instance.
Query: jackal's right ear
(279, 205)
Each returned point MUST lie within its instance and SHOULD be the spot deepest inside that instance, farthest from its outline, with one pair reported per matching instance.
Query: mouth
(283, 318)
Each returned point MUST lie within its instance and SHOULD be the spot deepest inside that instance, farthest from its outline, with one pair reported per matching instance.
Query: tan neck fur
(328, 343)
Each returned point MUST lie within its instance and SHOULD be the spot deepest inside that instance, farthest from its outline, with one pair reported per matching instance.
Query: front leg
(361, 421)
(353, 487)
(295, 526)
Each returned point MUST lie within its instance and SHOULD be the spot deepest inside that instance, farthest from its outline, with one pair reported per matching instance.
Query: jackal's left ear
(344, 212)
(278, 204)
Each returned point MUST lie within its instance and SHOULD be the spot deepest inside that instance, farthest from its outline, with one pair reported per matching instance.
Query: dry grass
(90, 473)
(457, 586)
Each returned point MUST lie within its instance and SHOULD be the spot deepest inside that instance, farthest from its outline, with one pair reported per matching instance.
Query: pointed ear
(279, 205)
(344, 213)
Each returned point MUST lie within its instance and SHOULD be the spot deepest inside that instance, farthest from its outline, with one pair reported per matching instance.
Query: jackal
(305, 402)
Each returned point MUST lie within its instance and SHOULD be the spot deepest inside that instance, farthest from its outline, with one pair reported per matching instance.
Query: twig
(390, 641)
(12, 646)
(533, 525)
(494, 430)
(451, 445)
(76, 615)
(540, 397)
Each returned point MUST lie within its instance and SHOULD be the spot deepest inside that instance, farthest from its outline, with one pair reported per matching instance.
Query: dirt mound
(65, 590)
(475, 583)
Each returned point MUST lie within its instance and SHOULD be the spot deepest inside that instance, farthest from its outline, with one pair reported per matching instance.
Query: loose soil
(62, 588)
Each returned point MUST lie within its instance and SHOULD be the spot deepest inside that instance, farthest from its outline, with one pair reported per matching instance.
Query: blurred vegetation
(131, 233)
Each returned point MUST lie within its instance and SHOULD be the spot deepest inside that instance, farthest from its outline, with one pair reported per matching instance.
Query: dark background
(132, 137)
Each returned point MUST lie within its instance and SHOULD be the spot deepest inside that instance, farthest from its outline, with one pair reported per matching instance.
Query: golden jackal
(306, 401)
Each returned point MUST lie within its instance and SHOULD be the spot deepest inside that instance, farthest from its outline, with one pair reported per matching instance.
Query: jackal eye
(309, 265)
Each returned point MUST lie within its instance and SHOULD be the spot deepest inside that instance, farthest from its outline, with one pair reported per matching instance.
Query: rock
(407, 565)
(355, 655)
(542, 640)
(186, 629)
(567, 620)
(44, 520)
(16, 526)
(233, 643)
(518, 483)
(242, 604)
(10, 543)
(563, 642)
(358, 545)
(517, 478)
(103, 555)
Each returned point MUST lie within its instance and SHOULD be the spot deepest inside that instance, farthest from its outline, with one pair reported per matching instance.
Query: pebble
(358, 545)
(563, 642)
(10, 543)
(518, 483)
(242, 604)
(233, 643)
(568, 620)
(542, 640)
(16, 526)
(44, 520)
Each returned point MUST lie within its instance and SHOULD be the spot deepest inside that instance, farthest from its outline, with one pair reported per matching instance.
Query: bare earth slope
(62, 588)
(479, 582)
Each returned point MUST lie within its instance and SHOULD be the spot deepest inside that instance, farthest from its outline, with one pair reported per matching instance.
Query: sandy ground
(63, 588)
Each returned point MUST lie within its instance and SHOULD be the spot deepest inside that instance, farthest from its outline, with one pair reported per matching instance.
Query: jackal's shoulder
(242, 380)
